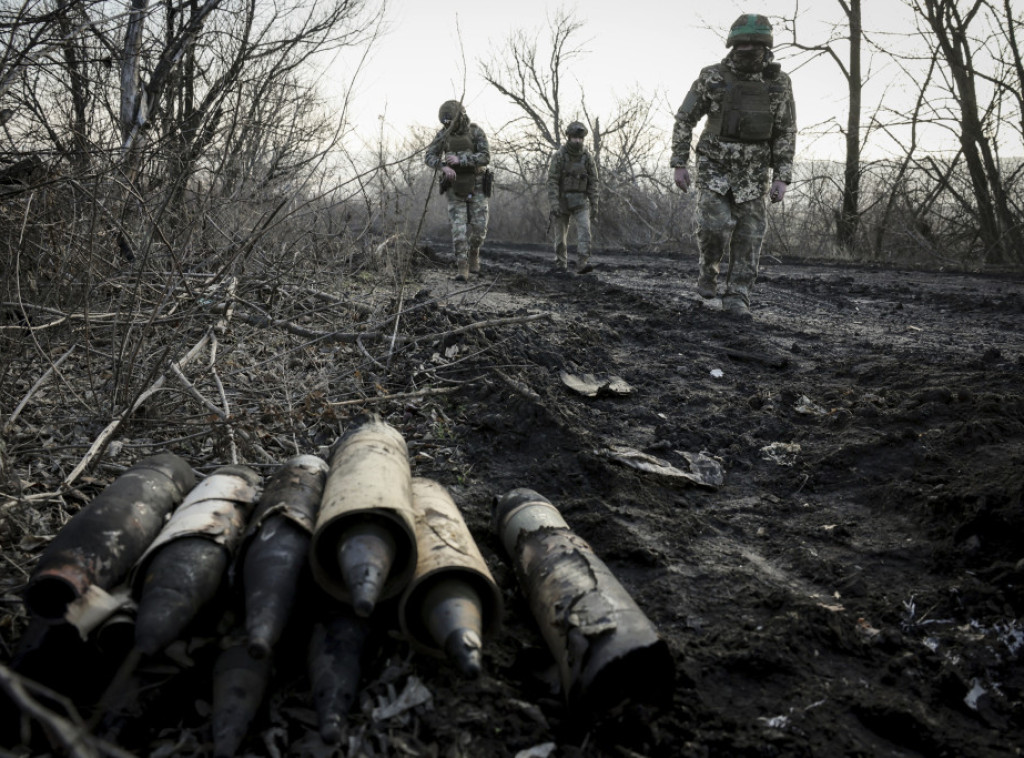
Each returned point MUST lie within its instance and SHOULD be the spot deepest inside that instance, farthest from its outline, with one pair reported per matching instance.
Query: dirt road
(854, 587)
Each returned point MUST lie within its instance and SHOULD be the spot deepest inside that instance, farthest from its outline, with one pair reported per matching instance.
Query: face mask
(573, 147)
(749, 61)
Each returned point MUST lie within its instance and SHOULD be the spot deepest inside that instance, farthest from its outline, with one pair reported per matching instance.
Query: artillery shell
(181, 579)
(185, 566)
(607, 649)
(367, 502)
(239, 684)
(452, 600)
(335, 666)
(104, 540)
(276, 548)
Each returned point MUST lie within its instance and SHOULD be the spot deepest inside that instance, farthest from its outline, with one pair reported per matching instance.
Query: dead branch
(397, 396)
(69, 734)
(480, 325)
(101, 441)
(516, 386)
(356, 337)
(35, 387)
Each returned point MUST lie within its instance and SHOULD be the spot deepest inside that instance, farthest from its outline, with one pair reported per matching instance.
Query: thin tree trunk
(849, 217)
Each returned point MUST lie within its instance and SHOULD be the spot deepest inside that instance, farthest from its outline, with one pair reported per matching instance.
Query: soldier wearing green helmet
(748, 142)
(572, 196)
(461, 153)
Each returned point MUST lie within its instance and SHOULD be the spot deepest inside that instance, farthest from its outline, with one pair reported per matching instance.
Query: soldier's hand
(682, 178)
(778, 191)
(452, 159)
(448, 172)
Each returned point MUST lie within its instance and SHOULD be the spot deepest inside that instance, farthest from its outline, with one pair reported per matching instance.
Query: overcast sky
(431, 51)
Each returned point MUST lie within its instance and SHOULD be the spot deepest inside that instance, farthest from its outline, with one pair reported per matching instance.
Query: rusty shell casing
(452, 600)
(239, 685)
(185, 567)
(335, 665)
(606, 648)
(102, 542)
(364, 544)
(275, 550)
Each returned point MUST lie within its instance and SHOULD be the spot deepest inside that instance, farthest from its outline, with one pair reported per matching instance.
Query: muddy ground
(853, 587)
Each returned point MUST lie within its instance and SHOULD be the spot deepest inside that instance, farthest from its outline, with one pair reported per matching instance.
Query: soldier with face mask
(572, 195)
(461, 153)
(749, 139)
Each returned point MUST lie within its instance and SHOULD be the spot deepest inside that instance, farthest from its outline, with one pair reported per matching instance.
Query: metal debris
(592, 385)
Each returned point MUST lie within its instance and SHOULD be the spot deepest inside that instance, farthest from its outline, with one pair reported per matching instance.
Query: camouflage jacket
(559, 159)
(742, 167)
(479, 157)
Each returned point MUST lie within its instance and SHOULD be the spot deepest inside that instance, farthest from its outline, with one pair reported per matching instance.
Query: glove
(452, 159)
(448, 172)
(682, 178)
(778, 191)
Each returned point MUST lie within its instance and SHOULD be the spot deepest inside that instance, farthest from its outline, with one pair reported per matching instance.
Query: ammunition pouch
(465, 181)
(575, 201)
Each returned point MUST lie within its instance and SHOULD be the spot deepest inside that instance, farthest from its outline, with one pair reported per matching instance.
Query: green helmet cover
(576, 129)
(750, 27)
(450, 110)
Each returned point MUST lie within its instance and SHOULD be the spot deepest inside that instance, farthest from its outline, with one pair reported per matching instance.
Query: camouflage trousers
(560, 234)
(468, 218)
(723, 225)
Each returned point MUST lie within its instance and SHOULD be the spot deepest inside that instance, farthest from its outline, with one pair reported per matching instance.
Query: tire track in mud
(793, 577)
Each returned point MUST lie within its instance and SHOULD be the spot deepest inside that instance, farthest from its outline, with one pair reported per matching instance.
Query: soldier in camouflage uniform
(572, 195)
(751, 130)
(461, 153)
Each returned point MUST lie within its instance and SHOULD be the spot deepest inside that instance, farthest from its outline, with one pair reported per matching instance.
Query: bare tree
(963, 39)
(849, 64)
(532, 80)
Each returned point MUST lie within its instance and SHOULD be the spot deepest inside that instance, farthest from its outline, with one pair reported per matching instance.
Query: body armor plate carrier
(574, 174)
(746, 114)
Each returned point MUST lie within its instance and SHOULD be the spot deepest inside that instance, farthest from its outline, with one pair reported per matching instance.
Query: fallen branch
(397, 396)
(69, 734)
(356, 337)
(104, 438)
(480, 325)
(516, 386)
(35, 387)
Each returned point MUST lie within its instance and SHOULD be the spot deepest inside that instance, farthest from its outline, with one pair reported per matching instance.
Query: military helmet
(450, 110)
(750, 27)
(576, 129)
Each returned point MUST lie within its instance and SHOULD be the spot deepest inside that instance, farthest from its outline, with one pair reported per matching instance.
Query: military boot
(583, 265)
(463, 275)
(474, 261)
(735, 305)
(707, 287)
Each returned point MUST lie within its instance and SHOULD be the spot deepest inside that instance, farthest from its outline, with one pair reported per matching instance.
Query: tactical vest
(746, 111)
(574, 173)
(465, 176)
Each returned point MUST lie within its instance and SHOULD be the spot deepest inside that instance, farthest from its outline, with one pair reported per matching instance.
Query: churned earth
(852, 587)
